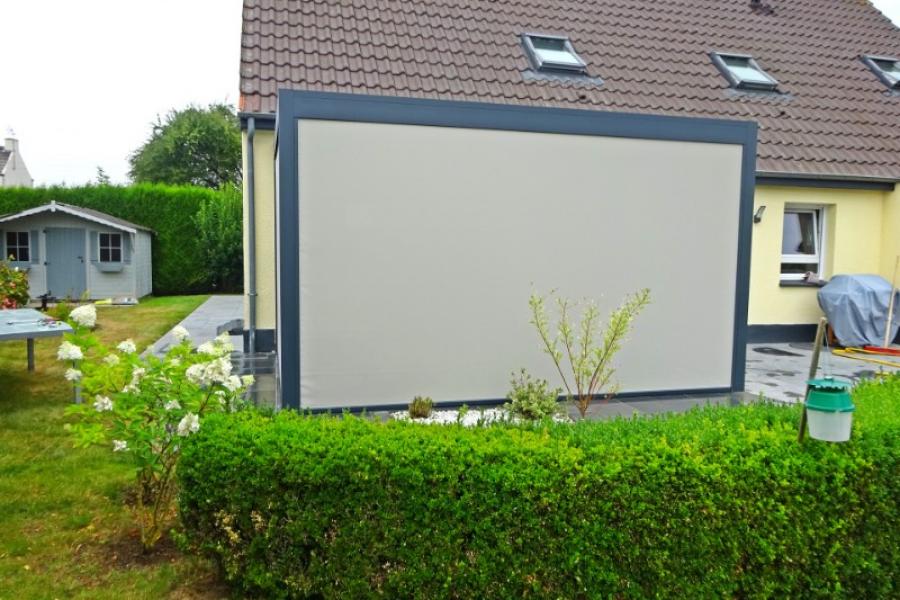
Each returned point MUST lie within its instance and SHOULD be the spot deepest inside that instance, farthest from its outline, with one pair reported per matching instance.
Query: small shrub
(13, 286)
(532, 399)
(575, 348)
(421, 407)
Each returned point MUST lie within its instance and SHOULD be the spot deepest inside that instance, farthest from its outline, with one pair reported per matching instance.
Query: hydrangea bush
(13, 286)
(143, 407)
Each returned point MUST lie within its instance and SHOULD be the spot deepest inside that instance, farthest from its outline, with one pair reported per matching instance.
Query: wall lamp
(758, 215)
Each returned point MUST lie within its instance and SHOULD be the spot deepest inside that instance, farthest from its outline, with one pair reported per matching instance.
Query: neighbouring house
(424, 152)
(74, 252)
(13, 172)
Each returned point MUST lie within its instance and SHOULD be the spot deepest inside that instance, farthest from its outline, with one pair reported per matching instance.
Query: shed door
(66, 275)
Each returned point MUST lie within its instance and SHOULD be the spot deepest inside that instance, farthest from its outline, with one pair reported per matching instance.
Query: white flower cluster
(205, 374)
(127, 347)
(111, 359)
(136, 377)
(180, 333)
(103, 404)
(189, 424)
(69, 351)
(120, 445)
(73, 375)
(85, 315)
(172, 405)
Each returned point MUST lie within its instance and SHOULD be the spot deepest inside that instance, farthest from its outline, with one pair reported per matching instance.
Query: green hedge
(715, 503)
(179, 257)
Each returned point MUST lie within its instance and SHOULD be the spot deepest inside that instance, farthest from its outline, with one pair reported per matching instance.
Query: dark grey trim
(294, 105)
(265, 340)
(792, 283)
(871, 61)
(774, 334)
(840, 184)
(264, 121)
(718, 59)
(488, 402)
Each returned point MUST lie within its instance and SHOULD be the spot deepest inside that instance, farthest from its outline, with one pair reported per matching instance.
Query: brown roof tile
(834, 117)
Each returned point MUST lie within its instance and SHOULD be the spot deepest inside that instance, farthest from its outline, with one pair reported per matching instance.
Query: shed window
(743, 72)
(552, 53)
(801, 244)
(887, 69)
(17, 246)
(110, 247)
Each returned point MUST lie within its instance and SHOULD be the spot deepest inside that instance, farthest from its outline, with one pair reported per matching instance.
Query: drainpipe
(251, 236)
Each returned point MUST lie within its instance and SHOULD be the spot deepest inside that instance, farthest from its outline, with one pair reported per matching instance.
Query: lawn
(64, 529)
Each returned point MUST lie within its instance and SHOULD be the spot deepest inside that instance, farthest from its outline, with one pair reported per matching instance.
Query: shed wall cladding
(98, 284)
(420, 245)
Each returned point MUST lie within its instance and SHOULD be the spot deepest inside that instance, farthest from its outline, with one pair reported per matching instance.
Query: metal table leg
(29, 342)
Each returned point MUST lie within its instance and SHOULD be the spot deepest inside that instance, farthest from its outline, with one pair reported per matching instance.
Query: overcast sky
(83, 81)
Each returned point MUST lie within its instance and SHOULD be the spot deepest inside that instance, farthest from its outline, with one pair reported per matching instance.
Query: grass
(65, 531)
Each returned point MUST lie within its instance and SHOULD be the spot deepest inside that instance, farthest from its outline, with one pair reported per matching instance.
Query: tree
(102, 177)
(219, 228)
(194, 146)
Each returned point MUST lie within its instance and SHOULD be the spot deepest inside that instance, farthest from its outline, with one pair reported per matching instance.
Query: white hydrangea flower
(205, 374)
(248, 380)
(120, 445)
(73, 375)
(85, 315)
(69, 351)
(127, 347)
(189, 424)
(136, 376)
(111, 359)
(180, 333)
(233, 383)
(172, 405)
(103, 403)
(207, 348)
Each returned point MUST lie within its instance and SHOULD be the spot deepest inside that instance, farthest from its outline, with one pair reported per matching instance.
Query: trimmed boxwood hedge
(179, 261)
(716, 503)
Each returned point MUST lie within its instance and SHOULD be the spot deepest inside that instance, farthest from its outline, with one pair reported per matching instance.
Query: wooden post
(813, 368)
(29, 348)
(890, 315)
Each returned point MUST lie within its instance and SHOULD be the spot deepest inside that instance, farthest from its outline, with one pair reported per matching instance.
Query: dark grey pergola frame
(294, 105)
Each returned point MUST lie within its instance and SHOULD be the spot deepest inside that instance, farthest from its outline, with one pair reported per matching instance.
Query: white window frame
(819, 220)
(577, 66)
(121, 247)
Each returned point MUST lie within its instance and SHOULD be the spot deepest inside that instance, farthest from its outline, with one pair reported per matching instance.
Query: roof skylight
(887, 69)
(552, 53)
(743, 72)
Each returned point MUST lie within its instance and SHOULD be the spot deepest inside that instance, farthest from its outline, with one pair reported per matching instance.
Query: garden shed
(74, 252)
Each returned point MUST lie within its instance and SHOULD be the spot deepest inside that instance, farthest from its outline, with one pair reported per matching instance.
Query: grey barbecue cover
(856, 307)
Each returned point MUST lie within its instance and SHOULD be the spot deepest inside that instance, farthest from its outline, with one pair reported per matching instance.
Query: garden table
(28, 324)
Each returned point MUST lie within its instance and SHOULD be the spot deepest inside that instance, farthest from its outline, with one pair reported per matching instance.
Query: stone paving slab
(782, 377)
(203, 324)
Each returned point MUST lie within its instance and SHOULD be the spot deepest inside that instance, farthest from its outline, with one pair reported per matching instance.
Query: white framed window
(802, 242)
(886, 68)
(552, 53)
(17, 246)
(110, 247)
(743, 72)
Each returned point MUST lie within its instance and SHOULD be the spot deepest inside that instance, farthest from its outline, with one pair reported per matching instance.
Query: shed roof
(78, 211)
(832, 116)
(4, 157)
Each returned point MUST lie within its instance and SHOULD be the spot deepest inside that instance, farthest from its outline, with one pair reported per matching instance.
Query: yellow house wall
(856, 240)
(263, 159)
(890, 234)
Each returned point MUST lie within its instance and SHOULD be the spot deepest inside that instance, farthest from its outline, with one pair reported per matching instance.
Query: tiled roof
(4, 156)
(833, 117)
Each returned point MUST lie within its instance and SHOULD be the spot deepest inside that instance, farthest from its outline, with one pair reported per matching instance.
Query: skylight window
(552, 53)
(887, 69)
(742, 72)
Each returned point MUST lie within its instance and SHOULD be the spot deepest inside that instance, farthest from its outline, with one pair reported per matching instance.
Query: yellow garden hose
(853, 352)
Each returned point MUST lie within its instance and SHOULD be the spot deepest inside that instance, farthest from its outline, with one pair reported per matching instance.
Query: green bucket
(829, 410)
